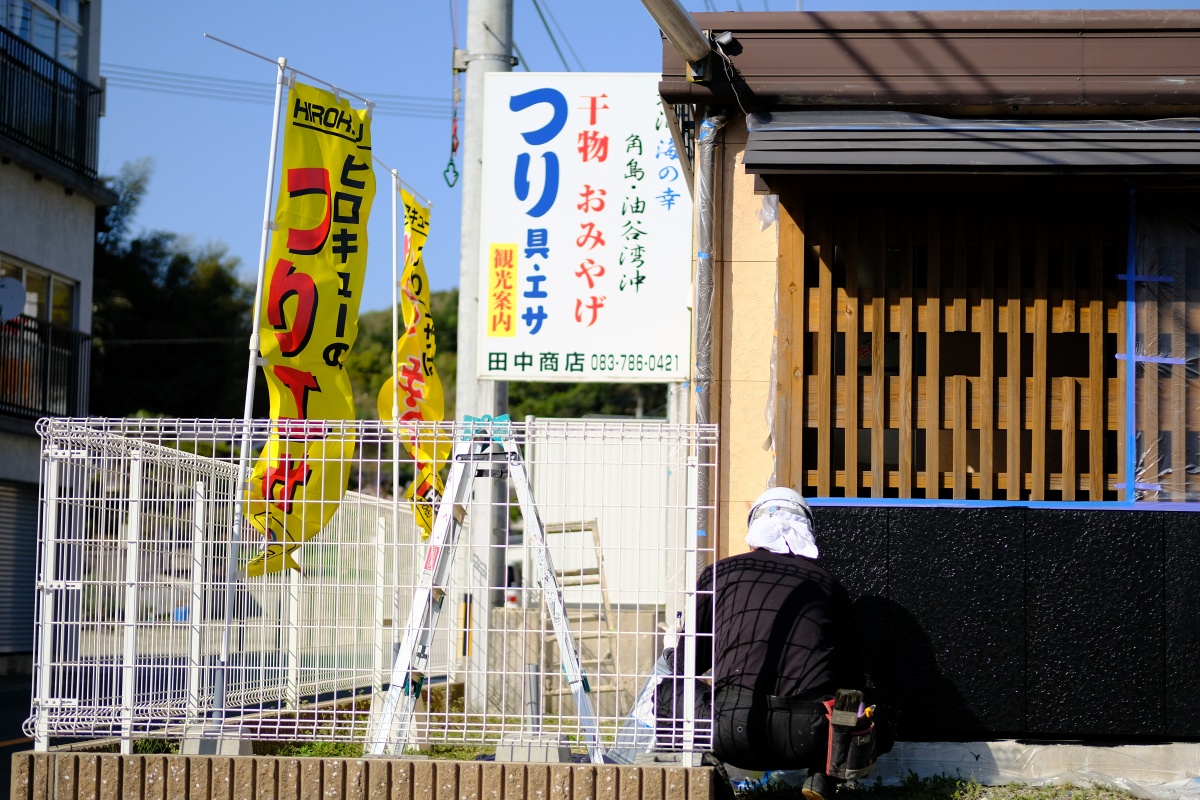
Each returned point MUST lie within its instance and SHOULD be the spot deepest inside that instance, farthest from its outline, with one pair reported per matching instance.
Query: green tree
(170, 320)
(369, 363)
(586, 399)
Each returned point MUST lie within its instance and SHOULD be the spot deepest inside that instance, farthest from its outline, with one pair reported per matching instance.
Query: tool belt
(852, 736)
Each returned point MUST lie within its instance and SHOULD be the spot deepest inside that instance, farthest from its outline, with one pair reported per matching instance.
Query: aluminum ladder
(486, 449)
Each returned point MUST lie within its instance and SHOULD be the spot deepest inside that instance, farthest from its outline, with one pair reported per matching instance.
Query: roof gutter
(696, 48)
(683, 33)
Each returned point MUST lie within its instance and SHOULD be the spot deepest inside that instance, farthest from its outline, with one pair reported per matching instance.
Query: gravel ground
(944, 788)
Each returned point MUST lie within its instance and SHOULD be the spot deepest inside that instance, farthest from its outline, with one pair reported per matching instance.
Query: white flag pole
(396, 203)
(254, 360)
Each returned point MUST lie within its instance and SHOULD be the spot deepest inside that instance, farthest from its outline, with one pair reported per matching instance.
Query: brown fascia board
(1101, 63)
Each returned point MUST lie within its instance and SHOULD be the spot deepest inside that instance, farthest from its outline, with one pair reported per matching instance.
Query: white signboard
(586, 232)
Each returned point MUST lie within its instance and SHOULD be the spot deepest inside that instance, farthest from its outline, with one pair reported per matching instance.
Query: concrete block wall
(76, 776)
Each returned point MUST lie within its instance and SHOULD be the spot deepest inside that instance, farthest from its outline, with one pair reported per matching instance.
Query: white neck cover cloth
(782, 533)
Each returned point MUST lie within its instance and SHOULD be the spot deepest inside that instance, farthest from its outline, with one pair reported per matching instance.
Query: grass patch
(942, 787)
(316, 749)
(453, 752)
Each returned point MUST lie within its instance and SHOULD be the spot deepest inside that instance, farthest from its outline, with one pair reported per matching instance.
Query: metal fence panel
(136, 639)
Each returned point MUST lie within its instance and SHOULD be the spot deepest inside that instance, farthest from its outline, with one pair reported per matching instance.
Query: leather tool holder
(851, 750)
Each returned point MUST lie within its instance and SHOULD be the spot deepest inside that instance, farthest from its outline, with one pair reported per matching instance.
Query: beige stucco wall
(746, 271)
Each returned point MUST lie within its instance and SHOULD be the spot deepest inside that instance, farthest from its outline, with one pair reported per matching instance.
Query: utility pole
(489, 49)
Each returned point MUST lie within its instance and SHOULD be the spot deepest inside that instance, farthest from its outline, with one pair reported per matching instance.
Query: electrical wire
(553, 40)
(566, 39)
(230, 89)
(145, 342)
(450, 174)
(521, 56)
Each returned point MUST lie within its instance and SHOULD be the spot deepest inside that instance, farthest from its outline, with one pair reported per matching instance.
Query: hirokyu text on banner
(586, 232)
(314, 280)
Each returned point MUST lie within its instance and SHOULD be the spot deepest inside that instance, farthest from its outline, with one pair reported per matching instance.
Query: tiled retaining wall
(73, 776)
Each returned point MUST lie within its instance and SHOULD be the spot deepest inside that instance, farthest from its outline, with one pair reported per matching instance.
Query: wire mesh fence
(167, 608)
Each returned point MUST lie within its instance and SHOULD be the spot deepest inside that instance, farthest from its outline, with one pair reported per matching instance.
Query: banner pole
(239, 488)
(396, 199)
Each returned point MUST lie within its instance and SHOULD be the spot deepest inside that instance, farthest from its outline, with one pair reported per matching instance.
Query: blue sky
(210, 152)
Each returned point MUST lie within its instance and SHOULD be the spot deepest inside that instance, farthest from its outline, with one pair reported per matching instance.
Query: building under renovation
(956, 273)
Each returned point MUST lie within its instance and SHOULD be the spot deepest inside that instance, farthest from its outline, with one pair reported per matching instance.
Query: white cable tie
(270, 225)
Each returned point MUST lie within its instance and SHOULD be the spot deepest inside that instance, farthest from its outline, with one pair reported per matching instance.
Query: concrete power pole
(489, 49)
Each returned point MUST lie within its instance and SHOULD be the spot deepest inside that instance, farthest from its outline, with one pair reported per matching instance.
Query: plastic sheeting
(1155, 772)
(1152, 772)
(1165, 399)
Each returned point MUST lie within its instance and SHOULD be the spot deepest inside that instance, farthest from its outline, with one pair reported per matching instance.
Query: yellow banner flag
(314, 280)
(416, 385)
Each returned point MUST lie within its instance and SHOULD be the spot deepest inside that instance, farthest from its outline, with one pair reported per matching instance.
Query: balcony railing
(47, 107)
(43, 369)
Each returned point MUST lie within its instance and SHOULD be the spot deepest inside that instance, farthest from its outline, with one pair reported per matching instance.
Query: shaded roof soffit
(1038, 63)
(893, 142)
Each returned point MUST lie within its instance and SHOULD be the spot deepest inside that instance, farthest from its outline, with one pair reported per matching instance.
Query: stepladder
(591, 621)
(484, 449)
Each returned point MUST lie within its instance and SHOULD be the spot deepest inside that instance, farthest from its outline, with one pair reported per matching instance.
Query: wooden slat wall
(998, 317)
(878, 334)
(987, 349)
(1096, 356)
(1168, 316)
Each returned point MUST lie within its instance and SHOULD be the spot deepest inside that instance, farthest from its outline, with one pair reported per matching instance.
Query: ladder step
(577, 581)
(604, 687)
(571, 573)
(551, 636)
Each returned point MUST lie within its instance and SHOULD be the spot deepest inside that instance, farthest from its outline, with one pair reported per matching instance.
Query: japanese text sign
(586, 232)
(415, 387)
(314, 281)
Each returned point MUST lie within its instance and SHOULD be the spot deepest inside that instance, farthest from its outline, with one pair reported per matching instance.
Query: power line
(521, 56)
(136, 342)
(565, 37)
(230, 89)
(538, 7)
(268, 87)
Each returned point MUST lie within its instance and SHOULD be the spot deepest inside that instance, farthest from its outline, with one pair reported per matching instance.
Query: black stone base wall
(1020, 623)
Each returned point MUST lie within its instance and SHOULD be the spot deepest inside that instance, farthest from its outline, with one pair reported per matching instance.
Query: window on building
(955, 345)
(51, 26)
(48, 297)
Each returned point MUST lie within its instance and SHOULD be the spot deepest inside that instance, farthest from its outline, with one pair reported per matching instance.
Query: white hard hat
(779, 496)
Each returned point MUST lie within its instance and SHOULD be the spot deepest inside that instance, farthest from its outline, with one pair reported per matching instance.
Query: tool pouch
(851, 750)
